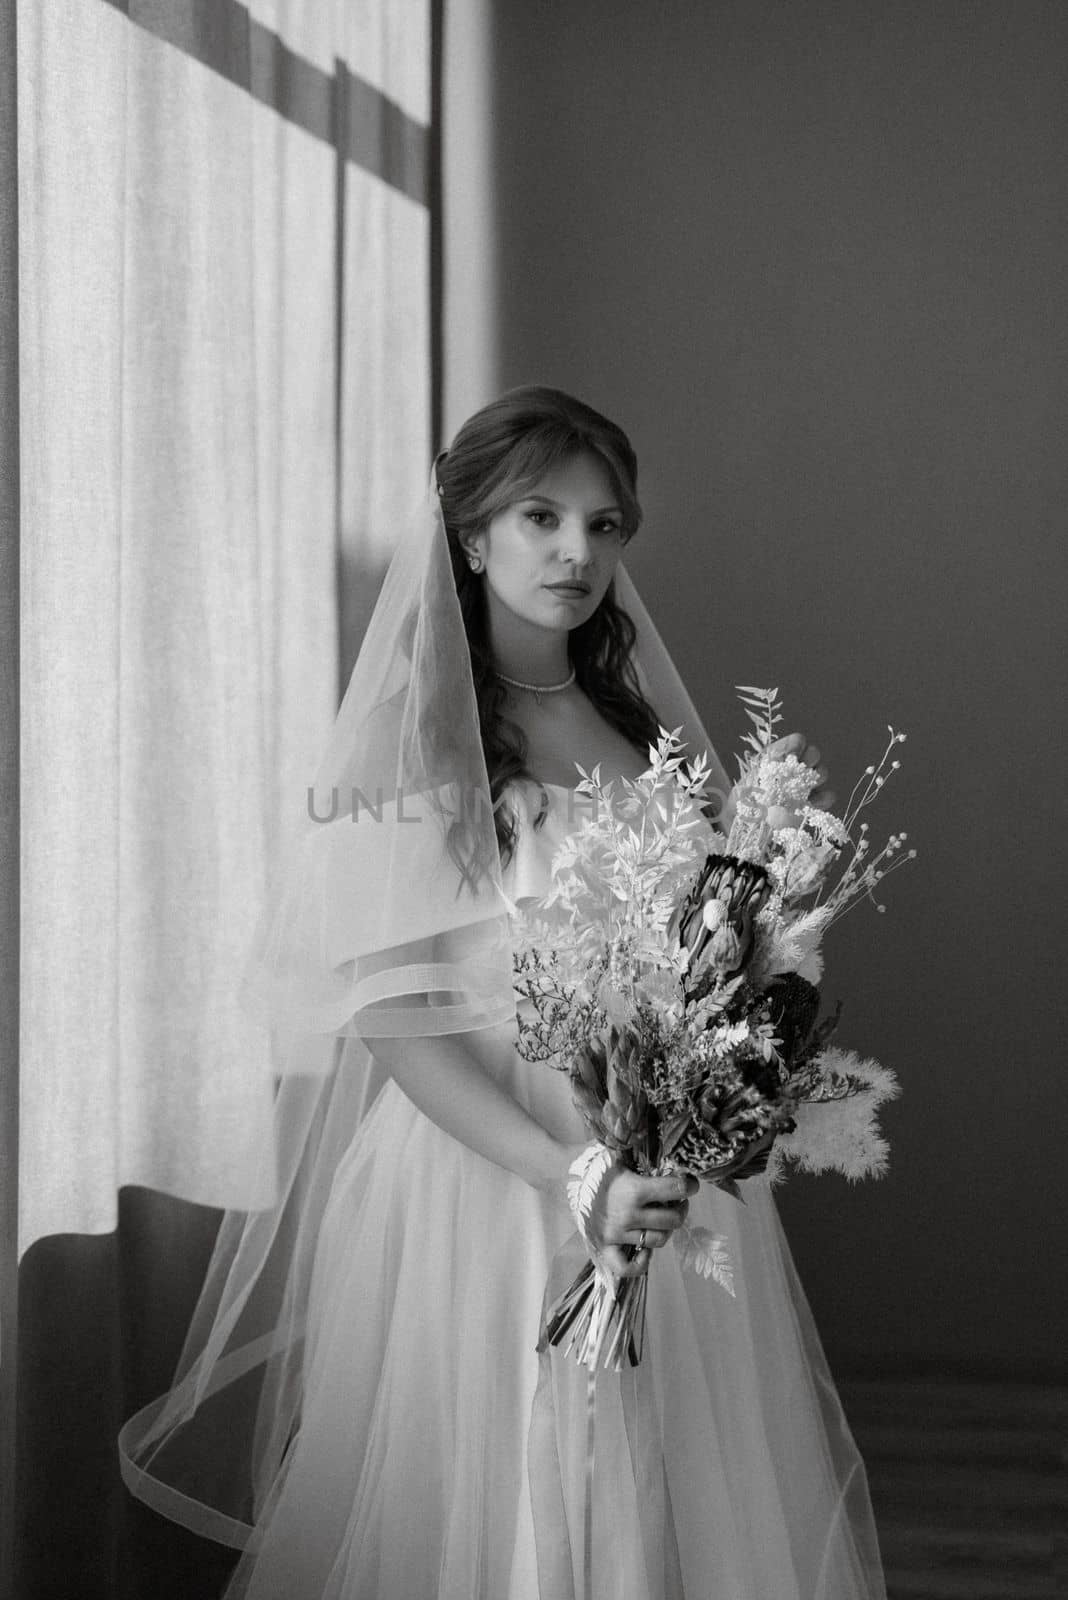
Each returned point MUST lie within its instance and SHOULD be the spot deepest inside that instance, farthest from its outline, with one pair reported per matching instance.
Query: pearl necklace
(538, 689)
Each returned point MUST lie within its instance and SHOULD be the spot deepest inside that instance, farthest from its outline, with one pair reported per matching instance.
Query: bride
(360, 1406)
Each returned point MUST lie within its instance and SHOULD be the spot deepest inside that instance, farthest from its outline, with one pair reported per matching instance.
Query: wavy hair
(497, 456)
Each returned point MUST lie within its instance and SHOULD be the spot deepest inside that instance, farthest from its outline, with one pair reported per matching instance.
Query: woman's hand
(791, 744)
(795, 744)
(625, 1205)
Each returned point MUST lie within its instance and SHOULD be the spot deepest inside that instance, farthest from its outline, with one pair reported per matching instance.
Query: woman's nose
(576, 545)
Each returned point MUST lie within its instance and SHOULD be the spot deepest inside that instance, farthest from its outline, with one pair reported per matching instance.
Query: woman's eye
(604, 526)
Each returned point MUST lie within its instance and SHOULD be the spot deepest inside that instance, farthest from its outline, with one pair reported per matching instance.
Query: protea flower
(715, 920)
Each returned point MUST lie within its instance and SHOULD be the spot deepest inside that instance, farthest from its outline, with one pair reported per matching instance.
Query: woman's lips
(575, 591)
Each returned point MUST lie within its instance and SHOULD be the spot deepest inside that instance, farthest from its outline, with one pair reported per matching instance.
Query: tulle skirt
(439, 1457)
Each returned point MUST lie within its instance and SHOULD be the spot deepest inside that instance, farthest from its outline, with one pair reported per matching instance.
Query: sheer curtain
(221, 397)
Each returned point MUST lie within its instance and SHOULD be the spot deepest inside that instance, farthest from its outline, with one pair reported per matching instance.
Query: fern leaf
(706, 1252)
(586, 1172)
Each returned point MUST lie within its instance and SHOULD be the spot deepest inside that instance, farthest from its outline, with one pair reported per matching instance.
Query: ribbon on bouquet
(548, 1491)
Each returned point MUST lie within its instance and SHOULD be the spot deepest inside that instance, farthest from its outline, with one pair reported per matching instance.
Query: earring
(475, 563)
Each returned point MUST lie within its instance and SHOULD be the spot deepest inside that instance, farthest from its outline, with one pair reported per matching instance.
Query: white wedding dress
(410, 1478)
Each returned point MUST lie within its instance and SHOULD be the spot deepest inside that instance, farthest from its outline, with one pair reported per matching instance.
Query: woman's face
(549, 557)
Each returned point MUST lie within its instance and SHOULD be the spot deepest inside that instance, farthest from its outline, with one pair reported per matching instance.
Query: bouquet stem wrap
(604, 1315)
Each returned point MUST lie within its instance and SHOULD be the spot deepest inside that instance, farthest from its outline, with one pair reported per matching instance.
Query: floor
(969, 1482)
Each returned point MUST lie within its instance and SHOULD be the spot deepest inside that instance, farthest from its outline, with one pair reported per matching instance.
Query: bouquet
(678, 986)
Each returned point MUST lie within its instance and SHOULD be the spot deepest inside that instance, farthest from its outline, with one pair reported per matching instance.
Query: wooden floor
(969, 1482)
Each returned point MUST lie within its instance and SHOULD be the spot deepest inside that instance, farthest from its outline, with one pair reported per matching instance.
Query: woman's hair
(498, 455)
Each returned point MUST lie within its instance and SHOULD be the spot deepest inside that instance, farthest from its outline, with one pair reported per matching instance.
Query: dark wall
(813, 258)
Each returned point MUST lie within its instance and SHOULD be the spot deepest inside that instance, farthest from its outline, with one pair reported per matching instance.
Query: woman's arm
(446, 1083)
(441, 1077)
